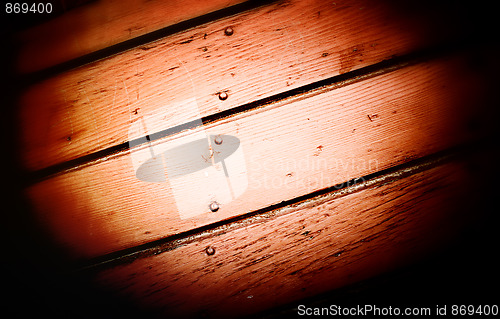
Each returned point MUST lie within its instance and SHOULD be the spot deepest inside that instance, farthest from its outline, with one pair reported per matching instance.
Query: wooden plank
(314, 247)
(286, 150)
(100, 24)
(273, 49)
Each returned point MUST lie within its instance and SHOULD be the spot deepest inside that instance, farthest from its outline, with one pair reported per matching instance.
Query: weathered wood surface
(316, 246)
(289, 149)
(100, 24)
(272, 49)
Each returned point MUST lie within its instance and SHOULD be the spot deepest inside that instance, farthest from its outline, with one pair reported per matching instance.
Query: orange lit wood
(314, 247)
(100, 24)
(273, 49)
(290, 149)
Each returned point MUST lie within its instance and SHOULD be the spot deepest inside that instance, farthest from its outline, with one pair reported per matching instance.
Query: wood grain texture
(316, 246)
(101, 24)
(273, 49)
(289, 149)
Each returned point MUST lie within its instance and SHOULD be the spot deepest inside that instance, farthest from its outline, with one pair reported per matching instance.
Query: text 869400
(24, 7)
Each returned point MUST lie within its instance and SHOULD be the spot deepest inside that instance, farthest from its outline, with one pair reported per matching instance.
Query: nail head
(229, 31)
(218, 140)
(214, 206)
(210, 250)
(223, 96)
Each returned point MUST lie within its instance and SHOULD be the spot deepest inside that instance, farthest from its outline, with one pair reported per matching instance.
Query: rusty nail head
(229, 31)
(222, 96)
(210, 250)
(214, 206)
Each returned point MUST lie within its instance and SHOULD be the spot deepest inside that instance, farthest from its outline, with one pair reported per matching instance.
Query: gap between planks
(26, 79)
(172, 242)
(105, 208)
(311, 250)
(277, 100)
(256, 62)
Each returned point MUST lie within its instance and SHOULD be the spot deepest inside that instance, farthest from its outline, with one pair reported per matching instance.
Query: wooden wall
(352, 131)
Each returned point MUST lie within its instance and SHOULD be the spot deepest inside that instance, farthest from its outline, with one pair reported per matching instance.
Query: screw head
(218, 140)
(229, 31)
(223, 96)
(214, 206)
(210, 250)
